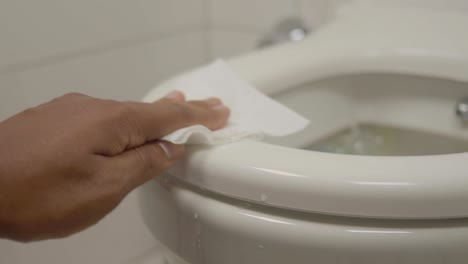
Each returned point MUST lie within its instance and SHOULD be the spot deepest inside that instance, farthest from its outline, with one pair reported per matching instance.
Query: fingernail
(213, 101)
(174, 95)
(220, 108)
(171, 150)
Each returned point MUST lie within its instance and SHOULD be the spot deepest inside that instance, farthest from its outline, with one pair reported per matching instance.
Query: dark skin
(67, 163)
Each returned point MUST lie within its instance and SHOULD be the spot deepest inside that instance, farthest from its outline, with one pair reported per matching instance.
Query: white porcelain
(270, 202)
(202, 227)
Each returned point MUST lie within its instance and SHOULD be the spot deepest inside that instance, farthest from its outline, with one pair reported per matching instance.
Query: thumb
(140, 164)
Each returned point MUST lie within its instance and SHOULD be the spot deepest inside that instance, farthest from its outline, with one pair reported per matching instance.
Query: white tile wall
(457, 5)
(119, 49)
(250, 15)
(9, 95)
(238, 25)
(227, 43)
(35, 30)
(124, 73)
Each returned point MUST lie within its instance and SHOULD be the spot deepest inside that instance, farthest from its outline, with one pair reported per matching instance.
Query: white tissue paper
(253, 114)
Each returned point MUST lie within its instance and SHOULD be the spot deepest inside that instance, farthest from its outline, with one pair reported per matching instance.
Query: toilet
(379, 176)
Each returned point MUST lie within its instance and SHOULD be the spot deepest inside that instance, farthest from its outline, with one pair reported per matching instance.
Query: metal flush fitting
(461, 109)
(289, 29)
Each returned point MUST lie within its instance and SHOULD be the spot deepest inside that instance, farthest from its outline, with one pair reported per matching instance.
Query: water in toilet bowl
(378, 140)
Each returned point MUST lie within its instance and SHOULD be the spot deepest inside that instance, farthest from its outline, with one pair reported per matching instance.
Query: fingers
(148, 122)
(175, 96)
(210, 112)
(138, 165)
(145, 155)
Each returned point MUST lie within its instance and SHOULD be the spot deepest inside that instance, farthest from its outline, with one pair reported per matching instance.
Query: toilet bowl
(380, 175)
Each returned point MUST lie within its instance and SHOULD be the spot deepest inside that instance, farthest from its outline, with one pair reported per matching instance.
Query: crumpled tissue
(253, 114)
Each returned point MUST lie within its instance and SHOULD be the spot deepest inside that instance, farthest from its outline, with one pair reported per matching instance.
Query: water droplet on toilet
(263, 197)
(260, 246)
(199, 249)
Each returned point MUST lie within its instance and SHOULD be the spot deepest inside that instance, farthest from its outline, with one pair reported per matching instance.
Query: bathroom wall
(115, 49)
(119, 49)
(235, 27)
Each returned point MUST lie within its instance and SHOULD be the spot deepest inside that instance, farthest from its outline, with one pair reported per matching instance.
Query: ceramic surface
(271, 202)
(202, 227)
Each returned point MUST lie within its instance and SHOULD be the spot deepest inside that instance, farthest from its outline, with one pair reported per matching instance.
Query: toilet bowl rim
(363, 186)
(429, 187)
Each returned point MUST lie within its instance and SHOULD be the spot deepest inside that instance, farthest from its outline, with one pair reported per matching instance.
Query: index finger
(143, 122)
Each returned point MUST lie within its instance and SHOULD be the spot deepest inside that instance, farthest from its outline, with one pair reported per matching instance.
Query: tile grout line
(209, 26)
(296, 6)
(238, 28)
(95, 50)
(206, 27)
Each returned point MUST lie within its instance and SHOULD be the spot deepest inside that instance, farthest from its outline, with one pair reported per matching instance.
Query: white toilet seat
(380, 187)
(406, 72)
(365, 186)
(202, 227)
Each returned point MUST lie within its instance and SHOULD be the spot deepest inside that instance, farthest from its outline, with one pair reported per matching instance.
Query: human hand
(65, 164)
